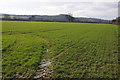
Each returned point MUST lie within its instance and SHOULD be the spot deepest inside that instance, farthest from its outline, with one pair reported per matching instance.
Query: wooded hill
(52, 18)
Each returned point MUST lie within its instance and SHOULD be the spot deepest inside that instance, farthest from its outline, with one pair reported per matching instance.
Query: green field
(74, 50)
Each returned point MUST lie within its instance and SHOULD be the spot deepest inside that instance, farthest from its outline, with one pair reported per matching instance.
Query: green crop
(76, 50)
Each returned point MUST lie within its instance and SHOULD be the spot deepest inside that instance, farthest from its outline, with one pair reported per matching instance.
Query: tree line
(69, 18)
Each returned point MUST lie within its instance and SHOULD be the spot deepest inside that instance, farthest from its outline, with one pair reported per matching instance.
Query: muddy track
(46, 70)
(46, 66)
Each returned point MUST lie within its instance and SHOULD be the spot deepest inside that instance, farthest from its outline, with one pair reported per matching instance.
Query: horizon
(91, 9)
(63, 14)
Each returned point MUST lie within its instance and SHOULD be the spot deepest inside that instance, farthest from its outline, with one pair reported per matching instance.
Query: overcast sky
(79, 8)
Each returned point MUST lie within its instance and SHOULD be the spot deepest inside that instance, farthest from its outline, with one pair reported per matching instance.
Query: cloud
(13, 1)
(105, 10)
(102, 10)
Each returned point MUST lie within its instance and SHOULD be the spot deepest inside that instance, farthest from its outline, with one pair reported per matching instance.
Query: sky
(78, 8)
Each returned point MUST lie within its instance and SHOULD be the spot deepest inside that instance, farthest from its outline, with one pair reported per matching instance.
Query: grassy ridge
(77, 50)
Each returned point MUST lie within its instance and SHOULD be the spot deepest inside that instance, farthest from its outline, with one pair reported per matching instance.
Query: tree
(70, 18)
(116, 21)
(32, 18)
(6, 16)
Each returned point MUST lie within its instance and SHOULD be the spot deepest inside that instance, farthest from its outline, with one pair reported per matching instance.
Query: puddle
(47, 50)
(46, 63)
(45, 71)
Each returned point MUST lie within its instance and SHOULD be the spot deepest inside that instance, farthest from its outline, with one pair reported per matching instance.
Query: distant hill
(53, 18)
(83, 19)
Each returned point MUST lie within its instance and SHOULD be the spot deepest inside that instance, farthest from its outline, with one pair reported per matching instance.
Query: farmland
(73, 50)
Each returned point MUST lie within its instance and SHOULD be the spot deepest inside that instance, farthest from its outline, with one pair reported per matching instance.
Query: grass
(77, 50)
